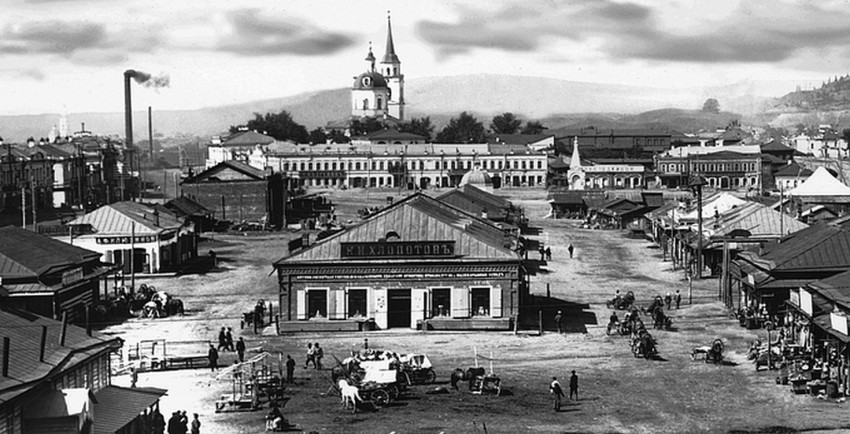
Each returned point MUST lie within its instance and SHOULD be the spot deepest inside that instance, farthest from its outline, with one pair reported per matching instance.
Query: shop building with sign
(419, 263)
(157, 241)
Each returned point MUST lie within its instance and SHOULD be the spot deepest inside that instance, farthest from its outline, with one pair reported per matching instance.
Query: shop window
(481, 301)
(317, 303)
(357, 303)
(441, 302)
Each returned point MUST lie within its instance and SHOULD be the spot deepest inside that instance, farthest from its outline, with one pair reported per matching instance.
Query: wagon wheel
(380, 398)
(393, 391)
(430, 376)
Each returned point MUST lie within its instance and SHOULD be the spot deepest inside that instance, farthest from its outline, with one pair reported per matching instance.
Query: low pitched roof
(835, 288)
(417, 218)
(247, 138)
(393, 134)
(24, 332)
(118, 219)
(118, 406)
(824, 246)
(186, 206)
(28, 254)
(794, 169)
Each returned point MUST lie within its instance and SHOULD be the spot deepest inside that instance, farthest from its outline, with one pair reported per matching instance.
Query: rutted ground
(619, 393)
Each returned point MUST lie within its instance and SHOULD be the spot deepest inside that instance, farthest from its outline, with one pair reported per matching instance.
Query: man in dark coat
(222, 339)
(559, 321)
(240, 349)
(571, 249)
(574, 385)
(290, 369)
(213, 356)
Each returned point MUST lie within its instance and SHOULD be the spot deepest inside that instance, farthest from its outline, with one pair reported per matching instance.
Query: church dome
(369, 80)
(476, 177)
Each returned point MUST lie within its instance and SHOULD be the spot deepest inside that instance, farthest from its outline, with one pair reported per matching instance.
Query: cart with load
(417, 369)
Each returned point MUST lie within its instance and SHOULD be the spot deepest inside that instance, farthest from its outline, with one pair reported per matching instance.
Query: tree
(505, 123)
(337, 136)
(362, 127)
(462, 129)
(281, 126)
(318, 136)
(420, 126)
(533, 127)
(711, 106)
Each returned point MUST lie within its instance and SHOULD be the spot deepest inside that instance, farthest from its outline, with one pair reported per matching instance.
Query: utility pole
(32, 191)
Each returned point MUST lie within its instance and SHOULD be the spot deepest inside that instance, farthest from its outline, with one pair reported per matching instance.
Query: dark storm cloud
(524, 27)
(51, 37)
(79, 41)
(752, 33)
(255, 35)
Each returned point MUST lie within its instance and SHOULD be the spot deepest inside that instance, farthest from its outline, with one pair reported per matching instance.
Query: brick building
(239, 192)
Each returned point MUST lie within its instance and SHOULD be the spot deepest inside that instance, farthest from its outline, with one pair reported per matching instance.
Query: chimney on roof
(6, 348)
(43, 343)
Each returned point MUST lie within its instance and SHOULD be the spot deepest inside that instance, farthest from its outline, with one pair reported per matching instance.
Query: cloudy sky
(72, 53)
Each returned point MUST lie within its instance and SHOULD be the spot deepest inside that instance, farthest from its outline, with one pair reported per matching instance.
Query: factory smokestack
(145, 80)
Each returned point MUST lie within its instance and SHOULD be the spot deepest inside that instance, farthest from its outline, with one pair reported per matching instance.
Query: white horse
(350, 394)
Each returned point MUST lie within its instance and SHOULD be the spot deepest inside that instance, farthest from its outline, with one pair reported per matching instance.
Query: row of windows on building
(709, 167)
(353, 303)
(414, 165)
(387, 181)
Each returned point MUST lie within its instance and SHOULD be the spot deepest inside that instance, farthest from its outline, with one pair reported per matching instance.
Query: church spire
(575, 161)
(390, 56)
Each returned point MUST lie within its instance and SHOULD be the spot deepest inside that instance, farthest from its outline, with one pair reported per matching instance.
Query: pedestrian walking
(183, 425)
(667, 300)
(574, 385)
(557, 393)
(548, 253)
(542, 253)
(229, 339)
(174, 423)
(678, 298)
(240, 349)
(222, 339)
(558, 322)
(290, 369)
(311, 356)
(196, 425)
(134, 376)
(318, 354)
(571, 249)
(213, 356)
(157, 422)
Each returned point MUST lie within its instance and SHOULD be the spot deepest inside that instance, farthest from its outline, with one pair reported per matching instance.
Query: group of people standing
(557, 391)
(315, 353)
(178, 423)
(225, 343)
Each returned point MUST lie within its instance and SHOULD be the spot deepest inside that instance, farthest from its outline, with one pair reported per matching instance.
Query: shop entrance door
(398, 307)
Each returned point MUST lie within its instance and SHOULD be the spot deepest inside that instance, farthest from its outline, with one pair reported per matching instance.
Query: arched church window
(379, 104)
(395, 71)
(365, 104)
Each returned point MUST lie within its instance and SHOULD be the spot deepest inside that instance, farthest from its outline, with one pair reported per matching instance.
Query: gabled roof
(509, 148)
(28, 254)
(118, 219)
(718, 203)
(567, 197)
(794, 170)
(520, 139)
(185, 206)
(775, 146)
(821, 183)
(835, 288)
(53, 151)
(474, 200)
(24, 332)
(247, 138)
(248, 172)
(758, 220)
(417, 218)
(818, 247)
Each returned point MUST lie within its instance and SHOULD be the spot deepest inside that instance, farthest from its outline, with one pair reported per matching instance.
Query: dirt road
(618, 392)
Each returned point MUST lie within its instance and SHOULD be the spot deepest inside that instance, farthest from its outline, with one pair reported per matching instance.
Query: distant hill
(558, 103)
